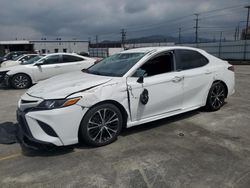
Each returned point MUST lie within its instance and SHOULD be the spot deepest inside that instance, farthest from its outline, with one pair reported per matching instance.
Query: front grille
(27, 102)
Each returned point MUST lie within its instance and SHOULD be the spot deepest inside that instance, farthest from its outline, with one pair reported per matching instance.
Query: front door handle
(177, 79)
(208, 72)
(57, 66)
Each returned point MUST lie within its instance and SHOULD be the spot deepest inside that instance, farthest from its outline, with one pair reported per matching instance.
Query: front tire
(20, 81)
(216, 97)
(101, 125)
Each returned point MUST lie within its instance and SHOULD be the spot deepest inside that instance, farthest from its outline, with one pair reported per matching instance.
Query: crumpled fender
(114, 91)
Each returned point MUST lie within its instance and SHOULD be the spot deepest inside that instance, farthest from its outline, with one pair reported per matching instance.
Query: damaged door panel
(164, 93)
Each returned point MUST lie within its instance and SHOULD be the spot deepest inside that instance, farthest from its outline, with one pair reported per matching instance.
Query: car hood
(14, 69)
(9, 63)
(64, 85)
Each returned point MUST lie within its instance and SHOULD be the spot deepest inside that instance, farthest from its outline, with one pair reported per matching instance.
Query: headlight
(57, 103)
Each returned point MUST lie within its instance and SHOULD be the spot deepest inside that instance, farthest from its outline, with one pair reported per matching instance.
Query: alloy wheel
(20, 81)
(217, 96)
(103, 125)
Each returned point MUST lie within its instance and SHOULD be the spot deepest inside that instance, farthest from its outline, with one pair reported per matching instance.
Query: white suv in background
(30, 72)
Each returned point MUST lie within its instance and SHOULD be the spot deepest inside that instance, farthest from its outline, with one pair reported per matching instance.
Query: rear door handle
(57, 66)
(177, 79)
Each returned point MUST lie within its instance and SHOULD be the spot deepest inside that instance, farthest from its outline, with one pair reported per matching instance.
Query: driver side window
(159, 64)
(54, 59)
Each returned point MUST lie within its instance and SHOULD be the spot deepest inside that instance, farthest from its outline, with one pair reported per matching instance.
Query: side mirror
(140, 79)
(140, 73)
(39, 63)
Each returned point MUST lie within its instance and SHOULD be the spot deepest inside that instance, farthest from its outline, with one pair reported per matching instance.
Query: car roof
(158, 49)
(62, 53)
(74, 54)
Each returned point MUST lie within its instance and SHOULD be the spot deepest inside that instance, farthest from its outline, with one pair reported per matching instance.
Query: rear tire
(216, 97)
(101, 125)
(20, 81)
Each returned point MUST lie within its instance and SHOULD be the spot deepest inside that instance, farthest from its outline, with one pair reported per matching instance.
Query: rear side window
(189, 59)
(70, 58)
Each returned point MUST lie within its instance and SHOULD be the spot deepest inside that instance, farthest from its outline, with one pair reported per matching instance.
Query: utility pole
(246, 33)
(179, 35)
(220, 43)
(196, 28)
(123, 33)
(235, 33)
(96, 39)
(238, 32)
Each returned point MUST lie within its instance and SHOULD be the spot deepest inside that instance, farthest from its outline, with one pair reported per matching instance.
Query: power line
(221, 9)
(138, 28)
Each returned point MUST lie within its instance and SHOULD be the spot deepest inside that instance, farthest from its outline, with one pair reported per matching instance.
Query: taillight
(231, 68)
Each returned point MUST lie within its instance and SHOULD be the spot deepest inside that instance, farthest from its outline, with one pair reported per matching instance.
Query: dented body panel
(155, 97)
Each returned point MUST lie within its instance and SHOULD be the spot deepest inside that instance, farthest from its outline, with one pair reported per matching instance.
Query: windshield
(32, 60)
(116, 65)
(18, 57)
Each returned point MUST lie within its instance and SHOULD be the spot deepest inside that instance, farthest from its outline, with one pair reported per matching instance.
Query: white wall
(112, 51)
(70, 46)
(235, 50)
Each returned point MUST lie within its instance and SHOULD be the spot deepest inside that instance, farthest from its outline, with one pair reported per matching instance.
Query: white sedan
(30, 72)
(18, 60)
(127, 89)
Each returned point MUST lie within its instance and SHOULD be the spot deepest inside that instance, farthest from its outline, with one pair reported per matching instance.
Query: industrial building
(44, 46)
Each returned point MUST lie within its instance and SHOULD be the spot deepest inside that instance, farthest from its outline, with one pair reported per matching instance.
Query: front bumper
(6, 80)
(24, 134)
(2, 75)
(58, 127)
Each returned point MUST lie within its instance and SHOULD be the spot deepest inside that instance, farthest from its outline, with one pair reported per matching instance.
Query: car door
(49, 66)
(161, 83)
(197, 74)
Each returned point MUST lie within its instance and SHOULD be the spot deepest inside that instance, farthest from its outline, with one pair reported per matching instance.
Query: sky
(82, 19)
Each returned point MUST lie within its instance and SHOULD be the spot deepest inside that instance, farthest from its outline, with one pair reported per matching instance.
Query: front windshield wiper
(91, 72)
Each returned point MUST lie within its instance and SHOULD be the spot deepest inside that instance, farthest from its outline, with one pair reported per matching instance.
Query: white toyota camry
(127, 89)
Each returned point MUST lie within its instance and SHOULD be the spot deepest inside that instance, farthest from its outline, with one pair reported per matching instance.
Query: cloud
(83, 19)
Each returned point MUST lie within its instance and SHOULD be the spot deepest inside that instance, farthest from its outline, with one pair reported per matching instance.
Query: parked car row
(22, 74)
(12, 55)
(124, 90)
(18, 60)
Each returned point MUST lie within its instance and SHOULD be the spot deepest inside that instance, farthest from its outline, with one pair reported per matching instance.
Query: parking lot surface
(196, 149)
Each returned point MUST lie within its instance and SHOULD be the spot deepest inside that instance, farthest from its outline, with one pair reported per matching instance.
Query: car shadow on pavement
(159, 123)
(9, 131)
